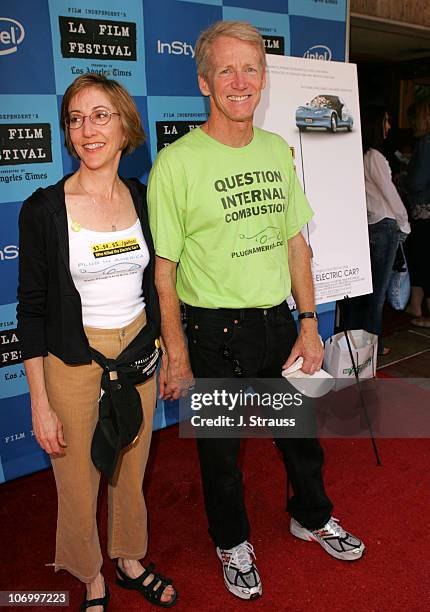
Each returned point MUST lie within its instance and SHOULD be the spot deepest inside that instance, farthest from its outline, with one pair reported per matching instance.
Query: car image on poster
(324, 111)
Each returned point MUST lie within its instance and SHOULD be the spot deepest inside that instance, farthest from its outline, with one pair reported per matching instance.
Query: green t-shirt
(225, 215)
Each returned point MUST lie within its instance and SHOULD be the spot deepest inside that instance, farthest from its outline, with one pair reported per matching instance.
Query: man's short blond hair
(233, 29)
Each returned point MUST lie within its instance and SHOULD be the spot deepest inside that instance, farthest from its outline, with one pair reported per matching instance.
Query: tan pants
(73, 392)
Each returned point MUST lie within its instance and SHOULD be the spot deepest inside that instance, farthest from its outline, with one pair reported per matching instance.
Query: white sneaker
(335, 540)
(241, 577)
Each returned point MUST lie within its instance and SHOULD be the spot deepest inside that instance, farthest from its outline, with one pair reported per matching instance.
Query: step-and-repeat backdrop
(147, 45)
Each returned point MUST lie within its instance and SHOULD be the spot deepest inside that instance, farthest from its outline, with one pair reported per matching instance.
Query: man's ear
(204, 87)
(264, 79)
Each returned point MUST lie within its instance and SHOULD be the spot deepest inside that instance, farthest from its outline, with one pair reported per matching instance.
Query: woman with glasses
(87, 280)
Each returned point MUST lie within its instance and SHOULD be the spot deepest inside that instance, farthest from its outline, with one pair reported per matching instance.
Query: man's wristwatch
(308, 315)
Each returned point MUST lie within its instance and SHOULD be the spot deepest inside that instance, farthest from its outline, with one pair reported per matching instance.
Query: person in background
(387, 223)
(75, 292)
(418, 201)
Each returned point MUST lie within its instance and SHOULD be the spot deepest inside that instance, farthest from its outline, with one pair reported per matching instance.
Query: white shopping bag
(337, 360)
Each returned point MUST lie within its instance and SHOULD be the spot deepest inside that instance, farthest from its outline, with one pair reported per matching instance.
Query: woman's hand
(48, 429)
(46, 425)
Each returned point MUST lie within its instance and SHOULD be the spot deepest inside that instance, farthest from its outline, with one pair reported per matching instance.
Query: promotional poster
(314, 105)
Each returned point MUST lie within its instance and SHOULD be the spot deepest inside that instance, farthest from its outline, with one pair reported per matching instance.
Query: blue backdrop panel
(30, 154)
(317, 38)
(139, 163)
(319, 9)
(212, 2)
(171, 36)
(26, 48)
(273, 27)
(8, 252)
(104, 36)
(274, 6)
(19, 450)
(148, 45)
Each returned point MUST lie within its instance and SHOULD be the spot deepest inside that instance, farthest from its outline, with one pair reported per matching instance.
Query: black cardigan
(49, 310)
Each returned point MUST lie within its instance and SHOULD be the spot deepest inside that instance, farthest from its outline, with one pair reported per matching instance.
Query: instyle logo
(96, 39)
(176, 47)
(25, 143)
(169, 131)
(274, 45)
(319, 52)
(12, 34)
(10, 251)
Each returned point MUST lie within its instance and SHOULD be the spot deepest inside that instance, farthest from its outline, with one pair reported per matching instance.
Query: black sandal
(149, 591)
(100, 601)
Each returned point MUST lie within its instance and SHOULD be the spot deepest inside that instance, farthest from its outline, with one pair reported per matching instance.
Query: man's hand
(175, 378)
(308, 345)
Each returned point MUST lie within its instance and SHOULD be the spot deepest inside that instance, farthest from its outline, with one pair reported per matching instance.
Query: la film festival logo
(169, 131)
(97, 39)
(25, 143)
(274, 45)
(10, 351)
(12, 34)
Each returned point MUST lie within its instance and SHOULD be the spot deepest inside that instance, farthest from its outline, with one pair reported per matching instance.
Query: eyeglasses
(227, 353)
(98, 117)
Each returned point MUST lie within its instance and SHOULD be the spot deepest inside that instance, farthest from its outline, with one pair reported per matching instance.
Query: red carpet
(388, 506)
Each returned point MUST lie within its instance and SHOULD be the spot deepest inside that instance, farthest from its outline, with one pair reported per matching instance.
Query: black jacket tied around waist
(120, 409)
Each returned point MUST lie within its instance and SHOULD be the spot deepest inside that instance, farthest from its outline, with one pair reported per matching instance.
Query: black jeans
(260, 341)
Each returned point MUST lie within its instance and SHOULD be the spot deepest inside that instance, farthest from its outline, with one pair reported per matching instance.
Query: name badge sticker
(116, 247)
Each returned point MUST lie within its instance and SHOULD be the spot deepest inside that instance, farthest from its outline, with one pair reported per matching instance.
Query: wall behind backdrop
(148, 46)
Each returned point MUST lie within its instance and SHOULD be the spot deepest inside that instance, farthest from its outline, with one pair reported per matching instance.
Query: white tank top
(107, 269)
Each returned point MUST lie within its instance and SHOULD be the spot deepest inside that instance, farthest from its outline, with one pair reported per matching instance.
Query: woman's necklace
(76, 226)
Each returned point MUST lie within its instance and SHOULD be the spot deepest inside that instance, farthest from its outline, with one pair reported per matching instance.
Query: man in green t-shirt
(226, 213)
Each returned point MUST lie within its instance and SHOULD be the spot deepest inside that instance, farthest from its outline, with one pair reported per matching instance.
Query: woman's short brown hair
(233, 29)
(119, 97)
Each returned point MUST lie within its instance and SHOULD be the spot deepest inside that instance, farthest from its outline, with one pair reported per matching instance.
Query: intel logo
(319, 52)
(11, 35)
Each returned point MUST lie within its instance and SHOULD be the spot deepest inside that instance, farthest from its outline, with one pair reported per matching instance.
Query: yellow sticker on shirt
(115, 248)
